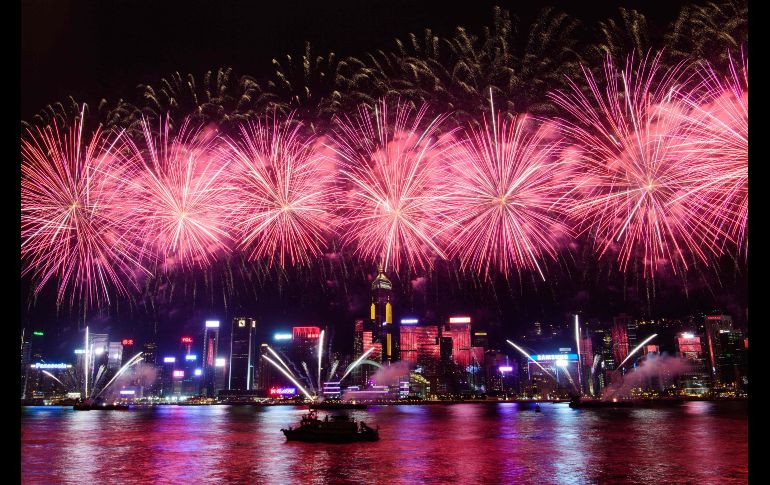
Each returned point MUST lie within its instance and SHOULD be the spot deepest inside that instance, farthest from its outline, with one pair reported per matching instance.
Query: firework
(636, 188)
(396, 185)
(284, 193)
(506, 198)
(74, 224)
(180, 196)
(719, 132)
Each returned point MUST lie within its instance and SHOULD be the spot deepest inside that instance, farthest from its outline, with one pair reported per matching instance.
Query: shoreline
(639, 402)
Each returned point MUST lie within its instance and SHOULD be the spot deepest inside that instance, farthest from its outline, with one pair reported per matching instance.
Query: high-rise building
(150, 353)
(304, 344)
(166, 376)
(127, 350)
(381, 314)
(459, 329)
(242, 354)
(209, 357)
(731, 362)
(265, 371)
(358, 337)
(480, 339)
(620, 338)
(501, 373)
(25, 360)
(712, 326)
(31, 351)
(696, 378)
(114, 356)
(608, 356)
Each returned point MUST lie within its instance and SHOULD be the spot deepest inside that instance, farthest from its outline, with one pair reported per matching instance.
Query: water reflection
(466, 443)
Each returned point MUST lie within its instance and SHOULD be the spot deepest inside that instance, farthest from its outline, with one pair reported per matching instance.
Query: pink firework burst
(506, 197)
(719, 134)
(638, 186)
(180, 196)
(391, 166)
(74, 223)
(283, 186)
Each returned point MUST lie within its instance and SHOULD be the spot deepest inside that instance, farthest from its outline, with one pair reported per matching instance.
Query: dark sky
(92, 50)
(95, 49)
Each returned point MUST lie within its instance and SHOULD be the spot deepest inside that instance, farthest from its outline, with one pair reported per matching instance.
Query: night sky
(94, 50)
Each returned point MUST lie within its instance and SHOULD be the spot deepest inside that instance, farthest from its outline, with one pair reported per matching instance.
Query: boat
(99, 406)
(332, 405)
(537, 408)
(338, 429)
(596, 403)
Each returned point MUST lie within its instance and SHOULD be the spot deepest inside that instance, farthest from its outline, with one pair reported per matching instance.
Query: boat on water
(597, 403)
(99, 406)
(337, 429)
(332, 405)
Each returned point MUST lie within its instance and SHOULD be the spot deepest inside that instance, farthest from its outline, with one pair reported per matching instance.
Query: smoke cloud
(140, 374)
(661, 369)
(388, 375)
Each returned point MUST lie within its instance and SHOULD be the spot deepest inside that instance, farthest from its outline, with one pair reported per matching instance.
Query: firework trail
(284, 193)
(636, 189)
(180, 195)
(333, 370)
(75, 226)
(506, 198)
(719, 133)
(396, 185)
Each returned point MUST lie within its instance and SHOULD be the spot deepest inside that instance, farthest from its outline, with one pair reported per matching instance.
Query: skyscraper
(115, 355)
(127, 351)
(242, 354)
(31, 351)
(99, 347)
(620, 338)
(363, 340)
(209, 356)
(149, 353)
(696, 378)
(304, 344)
(381, 313)
(713, 325)
(459, 329)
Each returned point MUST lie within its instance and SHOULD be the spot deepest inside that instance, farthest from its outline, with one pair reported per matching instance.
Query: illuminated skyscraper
(620, 338)
(31, 351)
(25, 359)
(304, 344)
(420, 349)
(115, 355)
(696, 379)
(381, 314)
(713, 326)
(363, 340)
(127, 350)
(459, 329)
(209, 357)
(242, 354)
(150, 353)
(99, 346)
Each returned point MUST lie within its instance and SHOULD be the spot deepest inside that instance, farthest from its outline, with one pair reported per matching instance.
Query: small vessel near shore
(338, 429)
(332, 405)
